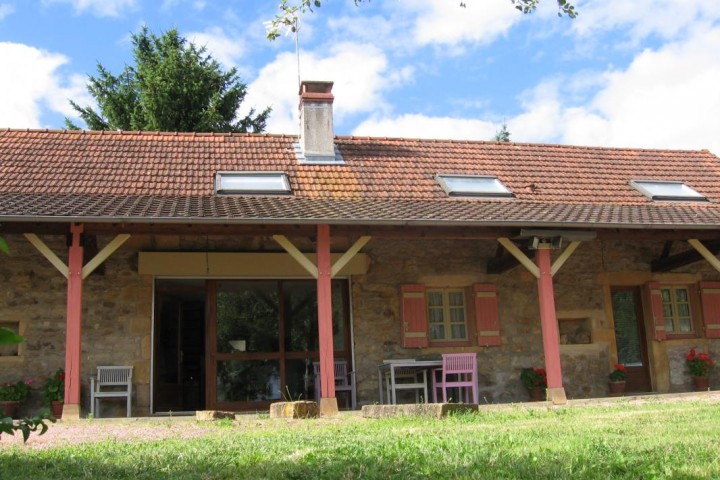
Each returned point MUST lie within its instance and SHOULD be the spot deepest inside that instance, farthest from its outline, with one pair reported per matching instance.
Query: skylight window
(669, 191)
(472, 186)
(252, 183)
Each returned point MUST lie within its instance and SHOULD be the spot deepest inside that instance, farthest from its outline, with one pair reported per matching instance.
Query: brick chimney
(316, 122)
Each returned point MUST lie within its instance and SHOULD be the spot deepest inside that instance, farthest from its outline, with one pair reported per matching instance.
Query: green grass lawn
(668, 440)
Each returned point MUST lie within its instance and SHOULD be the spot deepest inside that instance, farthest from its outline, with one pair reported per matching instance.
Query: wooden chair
(459, 370)
(408, 379)
(344, 381)
(110, 382)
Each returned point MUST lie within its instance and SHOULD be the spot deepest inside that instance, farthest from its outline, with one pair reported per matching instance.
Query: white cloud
(30, 82)
(5, 10)
(666, 98)
(446, 23)
(406, 25)
(421, 126)
(541, 121)
(101, 8)
(664, 18)
(223, 48)
(359, 72)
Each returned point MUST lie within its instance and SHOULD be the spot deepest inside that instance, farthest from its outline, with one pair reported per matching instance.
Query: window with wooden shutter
(487, 318)
(414, 331)
(654, 299)
(710, 297)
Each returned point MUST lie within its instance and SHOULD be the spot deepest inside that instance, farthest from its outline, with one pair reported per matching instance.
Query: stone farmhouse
(222, 267)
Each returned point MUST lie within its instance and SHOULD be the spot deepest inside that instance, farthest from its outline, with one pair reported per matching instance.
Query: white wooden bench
(110, 382)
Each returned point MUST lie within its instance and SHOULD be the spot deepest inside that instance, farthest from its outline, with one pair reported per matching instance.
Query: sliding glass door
(262, 339)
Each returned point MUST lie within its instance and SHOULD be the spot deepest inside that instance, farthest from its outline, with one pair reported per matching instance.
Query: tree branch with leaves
(286, 18)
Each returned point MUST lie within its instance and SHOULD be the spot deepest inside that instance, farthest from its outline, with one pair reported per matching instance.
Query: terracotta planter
(9, 408)
(616, 389)
(701, 384)
(56, 408)
(537, 394)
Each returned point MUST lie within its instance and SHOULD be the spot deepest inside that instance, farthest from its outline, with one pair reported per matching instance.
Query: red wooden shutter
(652, 292)
(414, 329)
(710, 297)
(487, 318)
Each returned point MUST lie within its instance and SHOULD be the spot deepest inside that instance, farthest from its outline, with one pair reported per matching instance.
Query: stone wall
(581, 291)
(117, 311)
(377, 321)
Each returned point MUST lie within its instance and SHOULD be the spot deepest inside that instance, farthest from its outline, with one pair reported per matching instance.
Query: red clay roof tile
(153, 174)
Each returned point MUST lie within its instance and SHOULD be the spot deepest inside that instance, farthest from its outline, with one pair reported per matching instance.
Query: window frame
(498, 188)
(686, 193)
(446, 308)
(18, 326)
(694, 307)
(224, 180)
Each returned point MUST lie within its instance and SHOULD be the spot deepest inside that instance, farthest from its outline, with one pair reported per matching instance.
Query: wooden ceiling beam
(682, 259)
(308, 230)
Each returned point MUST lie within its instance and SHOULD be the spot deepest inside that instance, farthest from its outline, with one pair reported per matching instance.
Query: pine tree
(173, 86)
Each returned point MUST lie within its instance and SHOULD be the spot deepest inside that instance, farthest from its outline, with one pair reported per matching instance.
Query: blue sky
(640, 73)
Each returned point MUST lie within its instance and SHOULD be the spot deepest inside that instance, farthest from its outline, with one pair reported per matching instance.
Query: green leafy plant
(700, 364)
(26, 425)
(533, 378)
(15, 392)
(54, 388)
(618, 373)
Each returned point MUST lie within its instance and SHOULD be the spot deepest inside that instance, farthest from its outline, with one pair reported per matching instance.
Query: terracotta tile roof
(165, 176)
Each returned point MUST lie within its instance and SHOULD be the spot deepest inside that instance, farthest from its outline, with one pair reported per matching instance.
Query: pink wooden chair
(459, 370)
(344, 381)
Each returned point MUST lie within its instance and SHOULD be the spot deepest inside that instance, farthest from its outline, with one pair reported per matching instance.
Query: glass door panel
(247, 317)
(630, 338)
(264, 339)
(248, 381)
(300, 315)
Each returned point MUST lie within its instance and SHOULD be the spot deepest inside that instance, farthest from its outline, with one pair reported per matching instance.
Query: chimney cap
(315, 86)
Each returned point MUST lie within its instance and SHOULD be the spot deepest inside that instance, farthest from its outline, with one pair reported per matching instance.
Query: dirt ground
(86, 431)
(146, 429)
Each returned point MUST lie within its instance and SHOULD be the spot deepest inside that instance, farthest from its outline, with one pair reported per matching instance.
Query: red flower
(61, 376)
(620, 367)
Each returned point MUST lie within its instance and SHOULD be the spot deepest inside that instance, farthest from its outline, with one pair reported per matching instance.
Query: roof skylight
(667, 190)
(472, 186)
(252, 183)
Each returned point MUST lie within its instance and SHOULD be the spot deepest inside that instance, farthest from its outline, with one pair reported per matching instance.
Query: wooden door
(630, 338)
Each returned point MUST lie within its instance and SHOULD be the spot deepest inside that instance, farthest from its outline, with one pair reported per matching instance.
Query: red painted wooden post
(324, 302)
(548, 319)
(74, 323)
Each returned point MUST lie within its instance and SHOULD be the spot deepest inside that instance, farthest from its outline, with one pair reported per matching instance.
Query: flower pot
(537, 394)
(617, 389)
(56, 408)
(9, 408)
(701, 384)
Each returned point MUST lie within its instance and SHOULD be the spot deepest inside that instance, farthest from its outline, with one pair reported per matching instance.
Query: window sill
(456, 343)
(681, 336)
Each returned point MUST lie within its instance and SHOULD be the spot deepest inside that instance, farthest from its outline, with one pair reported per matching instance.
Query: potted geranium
(616, 382)
(12, 395)
(535, 380)
(700, 365)
(54, 392)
